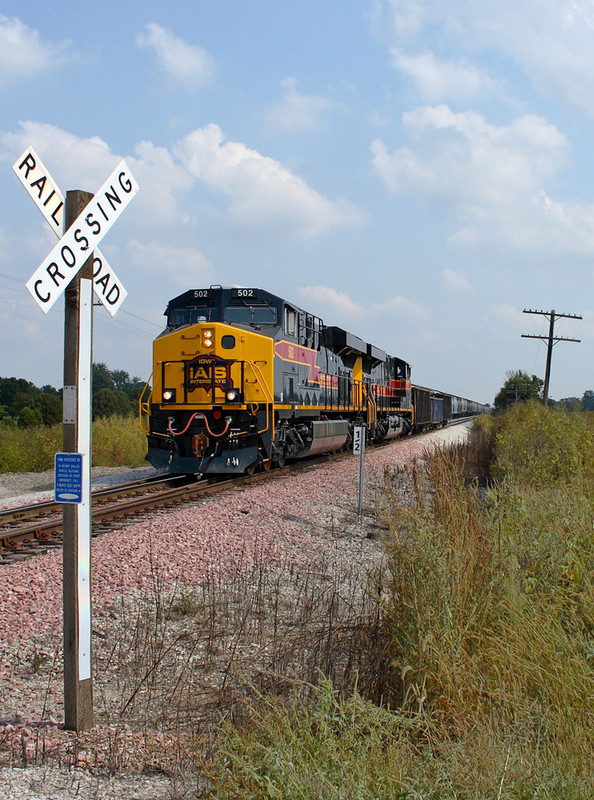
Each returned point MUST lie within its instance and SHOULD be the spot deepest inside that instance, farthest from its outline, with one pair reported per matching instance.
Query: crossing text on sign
(74, 248)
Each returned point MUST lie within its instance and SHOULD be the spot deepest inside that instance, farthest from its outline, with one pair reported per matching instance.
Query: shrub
(30, 418)
(489, 607)
(50, 407)
(111, 403)
(328, 748)
(539, 446)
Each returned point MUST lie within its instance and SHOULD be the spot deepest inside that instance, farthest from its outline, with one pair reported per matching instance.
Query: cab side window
(290, 321)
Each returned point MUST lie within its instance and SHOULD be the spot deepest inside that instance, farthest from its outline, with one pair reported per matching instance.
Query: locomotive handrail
(269, 397)
(144, 407)
(371, 405)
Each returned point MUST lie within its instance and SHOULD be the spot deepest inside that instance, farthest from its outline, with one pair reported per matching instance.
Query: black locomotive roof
(217, 295)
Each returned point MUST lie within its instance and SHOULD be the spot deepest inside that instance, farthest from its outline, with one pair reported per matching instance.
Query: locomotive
(244, 380)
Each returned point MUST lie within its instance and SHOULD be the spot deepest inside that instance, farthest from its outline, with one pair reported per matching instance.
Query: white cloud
(480, 171)
(510, 315)
(491, 178)
(456, 281)
(402, 306)
(397, 20)
(73, 162)
(329, 297)
(572, 225)
(85, 163)
(297, 111)
(183, 266)
(262, 192)
(468, 160)
(186, 64)
(444, 80)
(165, 184)
(23, 53)
(551, 40)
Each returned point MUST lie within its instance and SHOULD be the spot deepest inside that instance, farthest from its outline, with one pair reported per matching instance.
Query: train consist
(243, 379)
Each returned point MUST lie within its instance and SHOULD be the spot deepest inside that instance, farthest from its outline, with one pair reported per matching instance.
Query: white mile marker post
(72, 268)
(359, 449)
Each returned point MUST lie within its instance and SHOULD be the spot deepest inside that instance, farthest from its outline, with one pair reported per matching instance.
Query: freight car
(243, 379)
(433, 408)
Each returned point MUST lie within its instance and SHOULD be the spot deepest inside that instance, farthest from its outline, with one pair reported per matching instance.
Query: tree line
(115, 393)
(520, 387)
(24, 404)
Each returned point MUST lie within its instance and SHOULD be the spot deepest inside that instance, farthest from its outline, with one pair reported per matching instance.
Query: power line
(11, 277)
(148, 321)
(123, 327)
(20, 280)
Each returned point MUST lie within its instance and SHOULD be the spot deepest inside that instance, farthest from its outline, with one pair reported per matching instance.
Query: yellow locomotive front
(210, 409)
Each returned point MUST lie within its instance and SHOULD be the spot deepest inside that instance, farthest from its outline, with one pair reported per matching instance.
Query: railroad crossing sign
(80, 220)
(51, 278)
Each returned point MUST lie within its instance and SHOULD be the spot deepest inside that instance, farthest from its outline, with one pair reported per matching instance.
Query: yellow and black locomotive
(243, 380)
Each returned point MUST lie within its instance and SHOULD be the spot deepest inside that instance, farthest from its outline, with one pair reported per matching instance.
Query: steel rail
(23, 541)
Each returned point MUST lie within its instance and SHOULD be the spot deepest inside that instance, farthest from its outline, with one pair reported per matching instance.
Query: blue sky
(416, 172)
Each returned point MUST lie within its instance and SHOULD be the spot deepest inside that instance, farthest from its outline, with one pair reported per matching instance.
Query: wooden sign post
(76, 560)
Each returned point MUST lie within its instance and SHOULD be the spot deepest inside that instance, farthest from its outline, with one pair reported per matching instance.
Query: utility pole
(551, 340)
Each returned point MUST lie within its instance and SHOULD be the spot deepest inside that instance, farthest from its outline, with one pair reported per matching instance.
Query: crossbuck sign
(75, 245)
(87, 225)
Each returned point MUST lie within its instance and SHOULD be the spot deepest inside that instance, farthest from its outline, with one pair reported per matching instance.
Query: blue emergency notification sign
(68, 478)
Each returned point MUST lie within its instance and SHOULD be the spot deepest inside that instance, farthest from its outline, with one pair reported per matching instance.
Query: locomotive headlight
(169, 395)
(207, 337)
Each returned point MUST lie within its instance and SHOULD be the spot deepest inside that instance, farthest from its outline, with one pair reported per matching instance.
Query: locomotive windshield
(189, 316)
(251, 314)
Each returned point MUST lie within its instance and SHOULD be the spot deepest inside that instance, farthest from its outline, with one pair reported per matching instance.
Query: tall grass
(487, 658)
(29, 449)
(117, 441)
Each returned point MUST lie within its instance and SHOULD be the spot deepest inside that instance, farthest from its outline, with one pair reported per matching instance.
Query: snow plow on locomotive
(243, 380)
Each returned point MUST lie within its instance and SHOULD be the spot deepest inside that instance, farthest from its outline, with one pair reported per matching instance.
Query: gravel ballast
(289, 523)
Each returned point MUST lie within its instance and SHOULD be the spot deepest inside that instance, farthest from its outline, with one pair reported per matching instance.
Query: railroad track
(27, 531)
